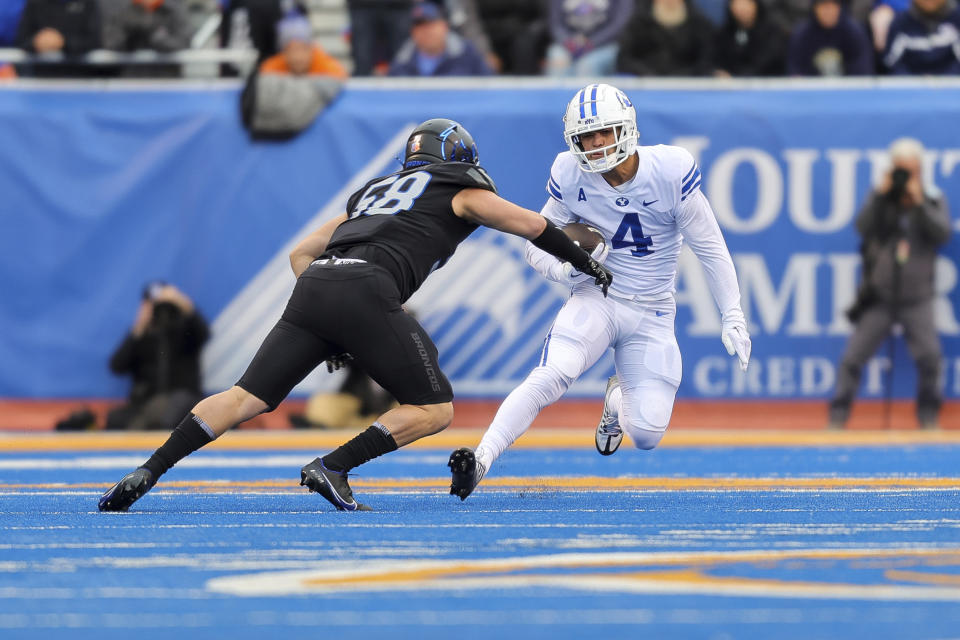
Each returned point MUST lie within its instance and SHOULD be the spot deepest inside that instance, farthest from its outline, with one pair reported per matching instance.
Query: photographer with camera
(162, 355)
(902, 224)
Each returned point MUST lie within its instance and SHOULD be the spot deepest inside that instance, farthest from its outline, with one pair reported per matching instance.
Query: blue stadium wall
(104, 188)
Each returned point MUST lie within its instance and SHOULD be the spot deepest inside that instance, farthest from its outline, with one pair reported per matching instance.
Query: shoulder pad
(560, 174)
(679, 171)
(564, 165)
(462, 174)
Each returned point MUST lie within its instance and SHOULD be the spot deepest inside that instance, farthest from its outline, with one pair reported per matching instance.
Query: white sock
(540, 389)
(615, 402)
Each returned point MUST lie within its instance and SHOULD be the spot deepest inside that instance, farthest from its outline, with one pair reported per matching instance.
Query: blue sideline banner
(102, 190)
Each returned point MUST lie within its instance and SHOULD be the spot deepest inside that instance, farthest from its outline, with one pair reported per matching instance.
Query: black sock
(191, 434)
(372, 443)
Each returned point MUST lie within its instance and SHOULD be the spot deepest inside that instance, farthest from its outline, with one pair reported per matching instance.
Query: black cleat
(332, 485)
(466, 472)
(127, 491)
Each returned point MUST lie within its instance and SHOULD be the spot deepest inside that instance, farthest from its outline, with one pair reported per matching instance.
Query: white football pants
(646, 356)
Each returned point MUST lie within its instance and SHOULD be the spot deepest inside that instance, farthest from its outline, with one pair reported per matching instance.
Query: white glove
(567, 273)
(733, 334)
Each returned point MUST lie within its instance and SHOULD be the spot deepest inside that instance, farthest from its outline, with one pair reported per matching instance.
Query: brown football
(584, 235)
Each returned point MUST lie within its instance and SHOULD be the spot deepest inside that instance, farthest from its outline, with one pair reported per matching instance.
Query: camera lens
(898, 183)
(900, 178)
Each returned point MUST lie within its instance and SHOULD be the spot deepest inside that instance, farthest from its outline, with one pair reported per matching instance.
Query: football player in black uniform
(353, 275)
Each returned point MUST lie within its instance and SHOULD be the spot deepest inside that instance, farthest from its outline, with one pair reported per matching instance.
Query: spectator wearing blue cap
(434, 50)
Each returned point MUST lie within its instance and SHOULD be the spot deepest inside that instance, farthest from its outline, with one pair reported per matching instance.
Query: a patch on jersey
(553, 189)
(582, 197)
(690, 182)
(622, 202)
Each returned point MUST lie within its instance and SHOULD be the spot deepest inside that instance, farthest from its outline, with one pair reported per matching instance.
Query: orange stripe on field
(923, 577)
(318, 441)
(692, 571)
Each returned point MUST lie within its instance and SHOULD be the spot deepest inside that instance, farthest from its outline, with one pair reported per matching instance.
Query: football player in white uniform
(645, 201)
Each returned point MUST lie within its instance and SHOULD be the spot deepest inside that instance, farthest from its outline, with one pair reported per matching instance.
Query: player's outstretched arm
(490, 210)
(561, 272)
(487, 208)
(702, 233)
(313, 245)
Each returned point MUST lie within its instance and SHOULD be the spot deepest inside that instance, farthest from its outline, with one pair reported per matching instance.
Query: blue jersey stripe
(552, 190)
(688, 183)
(691, 190)
(692, 169)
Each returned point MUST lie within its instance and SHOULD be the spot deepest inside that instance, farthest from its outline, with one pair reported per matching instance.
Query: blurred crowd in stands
(740, 38)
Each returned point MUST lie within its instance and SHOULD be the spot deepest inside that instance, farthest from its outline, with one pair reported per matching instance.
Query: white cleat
(609, 434)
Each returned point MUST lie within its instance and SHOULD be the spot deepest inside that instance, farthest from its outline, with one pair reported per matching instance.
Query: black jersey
(405, 222)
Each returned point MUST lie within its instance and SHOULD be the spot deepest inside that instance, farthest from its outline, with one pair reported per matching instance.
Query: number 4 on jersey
(640, 243)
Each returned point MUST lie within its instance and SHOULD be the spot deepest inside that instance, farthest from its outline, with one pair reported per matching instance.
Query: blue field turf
(873, 551)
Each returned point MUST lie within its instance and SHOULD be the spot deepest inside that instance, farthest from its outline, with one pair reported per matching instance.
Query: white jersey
(645, 222)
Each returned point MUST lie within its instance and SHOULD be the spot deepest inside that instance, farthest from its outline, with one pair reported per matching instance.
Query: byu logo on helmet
(594, 108)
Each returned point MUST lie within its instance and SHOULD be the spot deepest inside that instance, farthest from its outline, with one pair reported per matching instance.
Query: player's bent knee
(246, 403)
(647, 421)
(646, 412)
(644, 438)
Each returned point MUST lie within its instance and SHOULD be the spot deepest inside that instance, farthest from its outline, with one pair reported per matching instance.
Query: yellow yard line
(452, 438)
(694, 567)
(547, 484)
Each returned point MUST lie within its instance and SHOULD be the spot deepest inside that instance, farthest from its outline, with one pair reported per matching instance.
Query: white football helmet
(596, 107)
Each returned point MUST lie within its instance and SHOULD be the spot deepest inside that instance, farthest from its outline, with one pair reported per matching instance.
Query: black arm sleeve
(557, 244)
